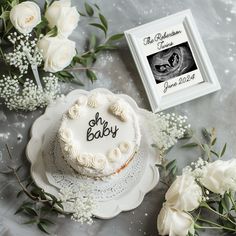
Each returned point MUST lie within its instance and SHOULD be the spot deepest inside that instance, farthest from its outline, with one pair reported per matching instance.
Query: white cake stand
(122, 192)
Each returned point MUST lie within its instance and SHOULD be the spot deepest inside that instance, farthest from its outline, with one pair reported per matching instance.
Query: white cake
(99, 134)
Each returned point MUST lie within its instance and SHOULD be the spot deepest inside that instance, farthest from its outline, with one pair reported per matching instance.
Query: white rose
(25, 16)
(220, 176)
(184, 193)
(174, 222)
(62, 15)
(57, 53)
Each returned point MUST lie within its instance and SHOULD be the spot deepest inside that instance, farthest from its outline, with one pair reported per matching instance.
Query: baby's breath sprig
(28, 96)
(25, 52)
(167, 129)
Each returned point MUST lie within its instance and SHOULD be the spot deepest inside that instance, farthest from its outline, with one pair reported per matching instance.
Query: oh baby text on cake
(105, 131)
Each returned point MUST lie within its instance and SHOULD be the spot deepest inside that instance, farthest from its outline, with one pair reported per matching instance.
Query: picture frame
(172, 60)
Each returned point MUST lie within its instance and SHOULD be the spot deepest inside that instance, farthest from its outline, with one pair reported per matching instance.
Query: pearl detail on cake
(114, 154)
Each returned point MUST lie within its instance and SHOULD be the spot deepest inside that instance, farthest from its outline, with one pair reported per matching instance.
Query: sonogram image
(172, 62)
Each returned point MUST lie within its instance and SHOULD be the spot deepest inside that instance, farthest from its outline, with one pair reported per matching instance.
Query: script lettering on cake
(105, 131)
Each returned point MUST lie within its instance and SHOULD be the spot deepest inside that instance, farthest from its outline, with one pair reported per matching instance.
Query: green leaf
(30, 211)
(213, 141)
(223, 150)
(30, 222)
(53, 32)
(116, 37)
(105, 47)
(97, 6)
(14, 3)
(5, 15)
(206, 133)
(220, 208)
(9, 26)
(189, 145)
(171, 165)
(101, 27)
(46, 221)
(92, 41)
(103, 21)
(91, 75)
(19, 193)
(216, 154)
(173, 170)
(43, 228)
(226, 203)
(51, 196)
(159, 166)
(81, 13)
(154, 145)
(65, 74)
(19, 210)
(48, 3)
(88, 9)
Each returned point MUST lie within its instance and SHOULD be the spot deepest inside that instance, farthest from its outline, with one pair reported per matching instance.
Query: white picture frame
(172, 60)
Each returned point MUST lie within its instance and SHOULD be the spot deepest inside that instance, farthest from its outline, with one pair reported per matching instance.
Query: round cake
(99, 134)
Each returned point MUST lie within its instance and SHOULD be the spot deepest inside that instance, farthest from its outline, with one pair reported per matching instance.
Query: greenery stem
(20, 182)
(217, 213)
(232, 201)
(81, 68)
(216, 226)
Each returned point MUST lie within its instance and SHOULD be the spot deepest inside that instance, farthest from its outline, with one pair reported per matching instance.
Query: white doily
(121, 192)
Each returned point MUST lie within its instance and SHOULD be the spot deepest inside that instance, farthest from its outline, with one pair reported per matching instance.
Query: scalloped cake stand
(132, 195)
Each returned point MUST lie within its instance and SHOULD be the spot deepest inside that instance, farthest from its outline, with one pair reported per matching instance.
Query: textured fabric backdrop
(216, 21)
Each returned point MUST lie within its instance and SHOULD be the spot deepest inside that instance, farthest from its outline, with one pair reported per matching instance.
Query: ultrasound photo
(172, 62)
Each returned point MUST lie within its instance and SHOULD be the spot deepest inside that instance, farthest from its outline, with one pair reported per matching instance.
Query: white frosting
(65, 135)
(99, 134)
(114, 155)
(82, 101)
(85, 159)
(74, 111)
(124, 147)
(98, 162)
(93, 101)
(119, 109)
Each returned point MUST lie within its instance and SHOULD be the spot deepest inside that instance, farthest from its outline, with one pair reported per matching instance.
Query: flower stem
(217, 213)
(216, 226)
(20, 182)
(232, 201)
(81, 68)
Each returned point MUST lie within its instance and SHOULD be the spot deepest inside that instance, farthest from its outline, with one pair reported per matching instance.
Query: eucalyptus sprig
(207, 145)
(40, 206)
(95, 47)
